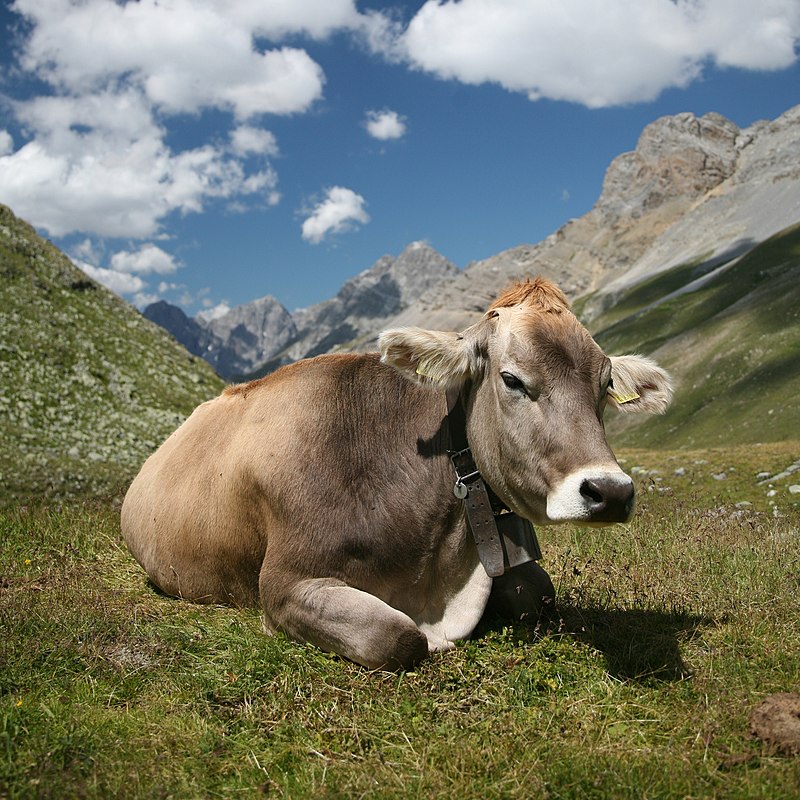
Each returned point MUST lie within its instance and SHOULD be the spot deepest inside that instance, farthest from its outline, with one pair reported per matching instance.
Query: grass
(670, 630)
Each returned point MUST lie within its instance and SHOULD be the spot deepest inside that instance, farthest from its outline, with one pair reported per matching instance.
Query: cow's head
(536, 386)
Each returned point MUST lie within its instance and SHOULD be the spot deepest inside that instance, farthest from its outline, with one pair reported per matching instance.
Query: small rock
(743, 504)
(794, 488)
(763, 475)
(680, 471)
(772, 492)
(720, 476)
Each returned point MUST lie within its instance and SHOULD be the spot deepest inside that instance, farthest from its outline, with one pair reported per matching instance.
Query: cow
(323, 493)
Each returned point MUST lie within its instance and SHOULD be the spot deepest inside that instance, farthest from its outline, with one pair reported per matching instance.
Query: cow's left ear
(433, 358)
(639, 384)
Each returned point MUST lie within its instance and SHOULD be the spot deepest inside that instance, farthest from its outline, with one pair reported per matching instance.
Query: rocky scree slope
(88, 387)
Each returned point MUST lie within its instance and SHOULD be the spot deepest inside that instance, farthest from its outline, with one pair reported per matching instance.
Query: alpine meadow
(669, 664)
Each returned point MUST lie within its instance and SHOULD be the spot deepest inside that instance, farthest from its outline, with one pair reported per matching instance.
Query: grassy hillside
(733, 346)
(670, 630)
(88, 387)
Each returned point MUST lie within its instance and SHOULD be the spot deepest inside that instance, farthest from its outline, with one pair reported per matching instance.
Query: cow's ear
(639, 384)
(434, 358)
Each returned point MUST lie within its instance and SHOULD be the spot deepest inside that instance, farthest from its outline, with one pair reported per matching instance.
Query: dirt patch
(776, 721)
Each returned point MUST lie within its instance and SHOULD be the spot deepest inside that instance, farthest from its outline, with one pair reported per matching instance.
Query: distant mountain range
(696, 190)
(262, 335)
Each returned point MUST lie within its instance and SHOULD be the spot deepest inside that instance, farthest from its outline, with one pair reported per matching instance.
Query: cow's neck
(503, 539)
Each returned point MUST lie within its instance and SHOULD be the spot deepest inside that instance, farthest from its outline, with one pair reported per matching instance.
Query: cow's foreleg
(344, 620)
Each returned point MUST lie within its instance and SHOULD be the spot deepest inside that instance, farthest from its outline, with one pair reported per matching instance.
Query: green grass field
(669, 631)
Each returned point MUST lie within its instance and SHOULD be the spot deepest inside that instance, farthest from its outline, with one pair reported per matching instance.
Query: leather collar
(503, 539)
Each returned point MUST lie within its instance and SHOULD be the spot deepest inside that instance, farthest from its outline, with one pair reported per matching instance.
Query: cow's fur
(323, 492)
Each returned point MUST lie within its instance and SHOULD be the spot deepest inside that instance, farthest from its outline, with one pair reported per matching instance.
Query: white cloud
(184, 55)
(100, 164)
(96, 158)
(385, 124)
(341, 210)
(279, 18)
(148, 259)
(247, 140)
(118, 282)
(212, 312)
(598, 52)
(143, 299)
(6, 143)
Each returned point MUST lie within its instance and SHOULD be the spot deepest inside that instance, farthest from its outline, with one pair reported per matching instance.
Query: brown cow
(324, 492)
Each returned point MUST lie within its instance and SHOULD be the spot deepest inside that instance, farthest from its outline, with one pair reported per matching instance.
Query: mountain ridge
(263, 334)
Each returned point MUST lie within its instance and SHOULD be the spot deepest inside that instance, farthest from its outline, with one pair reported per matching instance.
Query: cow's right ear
(432, 358)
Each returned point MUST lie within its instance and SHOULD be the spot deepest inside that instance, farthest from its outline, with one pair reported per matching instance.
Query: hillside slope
(730, 336)
(88, 387)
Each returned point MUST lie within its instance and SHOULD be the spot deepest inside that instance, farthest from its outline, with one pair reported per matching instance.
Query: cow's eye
(512, 381)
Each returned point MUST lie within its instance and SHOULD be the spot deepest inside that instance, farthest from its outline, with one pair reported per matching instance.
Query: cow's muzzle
(600, 496)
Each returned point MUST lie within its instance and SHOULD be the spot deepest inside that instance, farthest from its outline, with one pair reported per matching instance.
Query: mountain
(695, 189)
(89, 387)
(729, 336)
(193, 336)
(362, 305)
(259, 336)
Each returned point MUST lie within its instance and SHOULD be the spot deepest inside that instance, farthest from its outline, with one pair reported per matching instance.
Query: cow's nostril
(592, 492)
(608, 499)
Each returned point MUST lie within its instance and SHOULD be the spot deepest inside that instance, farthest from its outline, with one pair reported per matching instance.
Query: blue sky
(212, 152)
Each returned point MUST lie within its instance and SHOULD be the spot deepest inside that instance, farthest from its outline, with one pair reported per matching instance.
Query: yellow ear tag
(623, 398)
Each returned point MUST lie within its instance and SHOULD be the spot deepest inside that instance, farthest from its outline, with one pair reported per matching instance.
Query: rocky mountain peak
(359, 309)
(248, 334)
(681, 156)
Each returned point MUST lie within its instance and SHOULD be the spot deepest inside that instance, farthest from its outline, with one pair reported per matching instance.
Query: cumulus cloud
(211, 312)
(184, 55)
(598, 52)
(147, 260)
(100, 164)
(385, 125)
(98, 156)
(341, 210)
(247, 140)
(119, 282)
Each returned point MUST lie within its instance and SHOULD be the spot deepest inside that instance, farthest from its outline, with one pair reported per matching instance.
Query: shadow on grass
(638, 644)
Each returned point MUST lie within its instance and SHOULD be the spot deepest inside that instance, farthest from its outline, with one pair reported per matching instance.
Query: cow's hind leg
(344, 620)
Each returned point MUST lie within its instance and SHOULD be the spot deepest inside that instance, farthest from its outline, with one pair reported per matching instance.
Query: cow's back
(337, 443)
